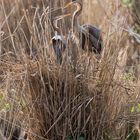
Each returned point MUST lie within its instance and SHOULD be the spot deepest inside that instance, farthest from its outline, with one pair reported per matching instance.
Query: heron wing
(93, 36)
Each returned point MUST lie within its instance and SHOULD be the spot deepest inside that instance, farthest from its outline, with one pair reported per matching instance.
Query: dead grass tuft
(84, 95)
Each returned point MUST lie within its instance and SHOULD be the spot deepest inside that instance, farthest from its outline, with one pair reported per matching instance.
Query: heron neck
(76, 14)
(55, 27)
(75, 23)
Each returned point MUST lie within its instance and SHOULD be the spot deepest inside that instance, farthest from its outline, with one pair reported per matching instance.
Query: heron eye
(56, 40)
(53, 40)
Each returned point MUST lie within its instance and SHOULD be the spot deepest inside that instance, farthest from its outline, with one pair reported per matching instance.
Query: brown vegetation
(96, 98)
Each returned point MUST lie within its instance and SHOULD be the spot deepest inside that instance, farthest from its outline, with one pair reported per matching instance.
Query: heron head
(78, 7)
(75, 3)
(58, 47)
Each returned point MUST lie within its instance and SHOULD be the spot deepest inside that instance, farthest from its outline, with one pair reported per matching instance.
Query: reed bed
(84, 97)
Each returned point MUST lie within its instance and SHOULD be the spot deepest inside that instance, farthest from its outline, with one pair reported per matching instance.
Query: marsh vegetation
(85, 97)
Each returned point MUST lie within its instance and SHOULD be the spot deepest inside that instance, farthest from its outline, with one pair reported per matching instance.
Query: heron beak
(63, 16)
(67, 5)
(66, 15)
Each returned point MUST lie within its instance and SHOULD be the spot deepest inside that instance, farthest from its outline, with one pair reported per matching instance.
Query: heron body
(92, 35)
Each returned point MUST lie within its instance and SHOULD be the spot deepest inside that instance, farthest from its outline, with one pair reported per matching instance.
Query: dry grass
(50, 101)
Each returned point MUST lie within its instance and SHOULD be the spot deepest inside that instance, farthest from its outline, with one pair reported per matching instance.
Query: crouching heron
(58, 40)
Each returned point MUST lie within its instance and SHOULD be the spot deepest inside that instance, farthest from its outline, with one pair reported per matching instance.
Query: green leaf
(132, 109)
(1, 96)
(69, 138)
(7, 106)
(81, 137)
(139, 105)
(126, 1)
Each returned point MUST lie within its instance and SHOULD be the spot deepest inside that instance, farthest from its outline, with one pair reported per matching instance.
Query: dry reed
(88, 97)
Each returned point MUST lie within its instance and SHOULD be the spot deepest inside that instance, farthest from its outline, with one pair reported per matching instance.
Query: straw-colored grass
(84, 96)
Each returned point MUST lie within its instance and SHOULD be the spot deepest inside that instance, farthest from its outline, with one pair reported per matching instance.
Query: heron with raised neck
(88, 36)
